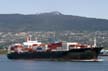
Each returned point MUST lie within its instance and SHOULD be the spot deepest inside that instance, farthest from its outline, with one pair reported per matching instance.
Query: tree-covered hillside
(53, 21)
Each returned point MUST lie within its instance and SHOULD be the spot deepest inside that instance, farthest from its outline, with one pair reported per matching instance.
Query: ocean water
(33, 65)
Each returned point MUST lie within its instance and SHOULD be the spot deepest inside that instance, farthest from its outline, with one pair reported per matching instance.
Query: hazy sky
(88, 8)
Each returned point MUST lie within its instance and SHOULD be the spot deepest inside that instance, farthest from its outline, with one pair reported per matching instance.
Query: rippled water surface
(33, 65)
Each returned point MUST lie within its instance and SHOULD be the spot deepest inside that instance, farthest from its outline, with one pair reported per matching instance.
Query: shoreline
(2, 51)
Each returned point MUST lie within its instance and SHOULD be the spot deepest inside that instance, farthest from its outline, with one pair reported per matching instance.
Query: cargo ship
(53, 51)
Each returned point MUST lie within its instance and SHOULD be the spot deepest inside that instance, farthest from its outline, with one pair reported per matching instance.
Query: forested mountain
(52, 21)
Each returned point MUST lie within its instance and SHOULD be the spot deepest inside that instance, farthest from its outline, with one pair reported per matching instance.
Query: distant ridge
(51, 13)
(52, 21)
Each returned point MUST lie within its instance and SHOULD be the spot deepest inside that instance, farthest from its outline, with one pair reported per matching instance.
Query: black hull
(73, 54)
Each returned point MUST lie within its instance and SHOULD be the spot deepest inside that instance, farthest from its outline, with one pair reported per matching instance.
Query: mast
(28, 38)
(95, 44)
